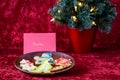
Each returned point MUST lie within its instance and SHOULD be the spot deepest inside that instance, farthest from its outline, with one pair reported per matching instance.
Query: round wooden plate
(55, 55)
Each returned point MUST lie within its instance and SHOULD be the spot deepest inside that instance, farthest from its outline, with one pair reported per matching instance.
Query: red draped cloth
(31, 16)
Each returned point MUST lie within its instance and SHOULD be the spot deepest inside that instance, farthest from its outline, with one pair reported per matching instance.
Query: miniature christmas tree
(84, 14)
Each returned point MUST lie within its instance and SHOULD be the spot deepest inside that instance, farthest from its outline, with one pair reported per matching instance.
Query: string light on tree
(52, 20)
(80, 4)
(75, 8)
(92, 9)
(74, 18)
(93, 23)
(59, 11)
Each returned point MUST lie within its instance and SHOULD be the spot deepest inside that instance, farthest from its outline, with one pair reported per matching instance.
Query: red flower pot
(82, 41)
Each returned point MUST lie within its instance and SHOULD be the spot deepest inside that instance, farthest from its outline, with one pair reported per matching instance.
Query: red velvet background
(31, 16)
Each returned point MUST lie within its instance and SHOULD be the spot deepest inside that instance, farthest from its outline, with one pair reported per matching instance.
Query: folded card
(39, 42)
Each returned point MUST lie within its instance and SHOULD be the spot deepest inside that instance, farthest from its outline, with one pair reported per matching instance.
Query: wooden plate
(55, 55)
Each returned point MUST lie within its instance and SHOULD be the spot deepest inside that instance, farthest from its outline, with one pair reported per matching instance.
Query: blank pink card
(39, 42)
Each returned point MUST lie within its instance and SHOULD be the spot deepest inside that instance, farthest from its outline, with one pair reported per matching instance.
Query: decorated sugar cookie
(37, 60)
(27, 65)
(44, 56)
(63, 62)
(44, 67)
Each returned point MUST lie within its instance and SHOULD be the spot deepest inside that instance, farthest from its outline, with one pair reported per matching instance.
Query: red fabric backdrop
(26, 16)
(31, 16)
(21, 16)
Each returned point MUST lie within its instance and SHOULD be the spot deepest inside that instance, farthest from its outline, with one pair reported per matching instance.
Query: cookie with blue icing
(44, 56)
(37, 60)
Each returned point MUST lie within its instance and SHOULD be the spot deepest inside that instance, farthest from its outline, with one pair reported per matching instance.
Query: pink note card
(39, 42)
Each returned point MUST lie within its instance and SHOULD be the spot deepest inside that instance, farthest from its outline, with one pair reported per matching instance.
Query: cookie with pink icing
(61, 63)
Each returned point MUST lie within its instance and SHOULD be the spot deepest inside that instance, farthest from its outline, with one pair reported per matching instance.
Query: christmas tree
(84, 14)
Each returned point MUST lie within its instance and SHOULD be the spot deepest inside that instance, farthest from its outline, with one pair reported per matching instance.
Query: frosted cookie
(44, 56)
(62, 61)
(27, 65)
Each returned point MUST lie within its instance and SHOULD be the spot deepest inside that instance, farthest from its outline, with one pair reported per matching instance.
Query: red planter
(82, 41)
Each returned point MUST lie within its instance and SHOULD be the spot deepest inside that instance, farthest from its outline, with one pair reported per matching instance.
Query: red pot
(82, 41)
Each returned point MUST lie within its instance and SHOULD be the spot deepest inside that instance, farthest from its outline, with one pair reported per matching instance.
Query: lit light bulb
(92, 9)
(93, 23)
(52, 20)
(75, 8)
(80, 4)
(74, 18)
(59, 11)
